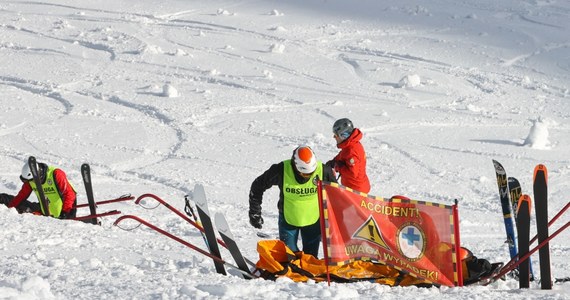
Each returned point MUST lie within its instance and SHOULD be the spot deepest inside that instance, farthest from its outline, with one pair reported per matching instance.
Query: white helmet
(305, 160)
(26, 172)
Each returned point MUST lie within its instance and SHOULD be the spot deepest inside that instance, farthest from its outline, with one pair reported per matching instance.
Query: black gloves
(5, 199)
(256, 220)
(63, 215)
(335, 163)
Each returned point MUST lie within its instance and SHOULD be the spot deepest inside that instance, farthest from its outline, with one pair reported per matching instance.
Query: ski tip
(198, 187)
(499, 168)
(526, 200)
(199, 195)
(513, 179)
(220, 220)
(540, 168)
(222, 224)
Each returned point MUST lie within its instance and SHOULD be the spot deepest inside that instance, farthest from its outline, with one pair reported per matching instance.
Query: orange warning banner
(412, 236)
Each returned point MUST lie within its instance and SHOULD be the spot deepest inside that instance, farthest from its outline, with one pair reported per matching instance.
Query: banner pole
(323, 229)
(459, 265)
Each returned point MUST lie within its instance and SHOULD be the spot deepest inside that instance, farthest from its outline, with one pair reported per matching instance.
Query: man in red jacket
(350, 162)
(58, 190)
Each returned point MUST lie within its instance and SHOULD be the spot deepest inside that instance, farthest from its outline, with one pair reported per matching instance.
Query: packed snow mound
(538, 135)
(169, 91)
(33, 288)
(277, 48)
(412, 80)
(276, 13)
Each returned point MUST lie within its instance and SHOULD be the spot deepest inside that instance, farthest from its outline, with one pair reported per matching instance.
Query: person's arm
(68, 195)
(23, 194)
(328, 174)
(349, 163)
(262, 183)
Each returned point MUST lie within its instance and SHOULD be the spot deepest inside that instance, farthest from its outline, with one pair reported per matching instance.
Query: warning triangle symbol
(369, 231)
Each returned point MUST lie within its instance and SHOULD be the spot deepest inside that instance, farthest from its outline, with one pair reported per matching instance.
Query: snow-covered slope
(160, 95)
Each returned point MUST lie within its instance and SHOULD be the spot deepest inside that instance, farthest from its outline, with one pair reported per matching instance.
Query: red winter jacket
(351, 163)
(68, 195)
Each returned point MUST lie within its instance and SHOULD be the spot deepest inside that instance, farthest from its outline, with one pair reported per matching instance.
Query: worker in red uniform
(350, 162)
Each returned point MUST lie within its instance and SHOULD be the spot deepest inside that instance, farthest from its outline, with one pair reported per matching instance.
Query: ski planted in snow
(204, 214)
(523, 231)
(44, 202)
(515, 192)
(189, 213)
(540, 188)
(506, 206)
(86, 174)
(229, 240)
(514, 262)
(192, 214)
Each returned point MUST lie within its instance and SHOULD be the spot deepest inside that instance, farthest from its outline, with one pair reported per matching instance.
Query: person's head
(26, 173)
(342, 129)
(27, 176)
(304, 160)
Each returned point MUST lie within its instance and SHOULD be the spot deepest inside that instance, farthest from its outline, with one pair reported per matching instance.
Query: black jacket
(274, 176)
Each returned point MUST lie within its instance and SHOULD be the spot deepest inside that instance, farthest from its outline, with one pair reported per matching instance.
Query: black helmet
(343, 128)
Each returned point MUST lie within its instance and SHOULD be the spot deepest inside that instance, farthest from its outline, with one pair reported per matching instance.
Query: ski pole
(190, 212)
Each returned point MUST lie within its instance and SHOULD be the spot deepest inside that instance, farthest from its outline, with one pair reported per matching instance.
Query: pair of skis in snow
(206, 227)
(86, 175)
(519, 207)
(224, 230)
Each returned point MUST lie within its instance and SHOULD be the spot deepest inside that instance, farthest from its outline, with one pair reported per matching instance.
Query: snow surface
(160, 95)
